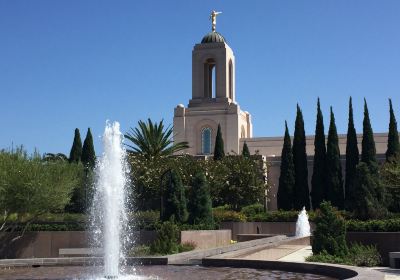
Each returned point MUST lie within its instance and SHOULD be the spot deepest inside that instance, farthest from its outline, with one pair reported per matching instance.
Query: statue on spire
(213, 18)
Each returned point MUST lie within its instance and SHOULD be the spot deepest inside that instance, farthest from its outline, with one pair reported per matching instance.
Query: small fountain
(109, 217)
(302, 224)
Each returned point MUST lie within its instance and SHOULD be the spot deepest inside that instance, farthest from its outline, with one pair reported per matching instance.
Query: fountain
(109, 219)
(302, 224)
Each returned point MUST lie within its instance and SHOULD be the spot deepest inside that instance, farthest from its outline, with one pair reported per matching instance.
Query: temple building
(214, 103)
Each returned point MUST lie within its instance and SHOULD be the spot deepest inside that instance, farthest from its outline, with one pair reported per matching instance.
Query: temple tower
(213, 99)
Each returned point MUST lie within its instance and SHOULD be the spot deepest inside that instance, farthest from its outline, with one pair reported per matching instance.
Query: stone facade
(213, 102)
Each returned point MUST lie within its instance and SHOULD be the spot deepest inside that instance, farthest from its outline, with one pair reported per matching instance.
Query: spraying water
(302, 224)
(108, 212)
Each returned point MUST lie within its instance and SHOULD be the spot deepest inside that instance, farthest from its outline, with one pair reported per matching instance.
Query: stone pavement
(301, 254)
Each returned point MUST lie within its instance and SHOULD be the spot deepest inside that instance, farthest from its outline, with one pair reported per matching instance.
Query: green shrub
(167, 239)
(357, 255)
(330, 231)
(146, 220)
(361, 255)
(253, 209)
(186, 246)
(389, 225)
(140, 251)
(228, 216)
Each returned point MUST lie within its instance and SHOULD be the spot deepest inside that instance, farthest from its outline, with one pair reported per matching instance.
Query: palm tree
(152, 140)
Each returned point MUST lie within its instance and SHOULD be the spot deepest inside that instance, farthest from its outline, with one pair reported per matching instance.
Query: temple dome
(213, 37)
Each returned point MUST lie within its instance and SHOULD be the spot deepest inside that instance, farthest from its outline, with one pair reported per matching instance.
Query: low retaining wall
(205, 239)
(385, 242)
(287, 228)
(45, 244)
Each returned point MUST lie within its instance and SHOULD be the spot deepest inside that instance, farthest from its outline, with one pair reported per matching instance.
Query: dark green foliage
(167, 239)
(352, 159)
(334, 180)
(219, 145)
(49, 157)
(174, 200)
(285, 197)
(199, 205)
(76, 149)
(368, 152)
(253, 209)
(153, 141)
(301, 191)
(370, 202)
(386, 225)
(393, 148)
(236, 181)
(330, 232)
(245, 151)
(318, 182)
(358, 255)
(390, 179)
(88, 153)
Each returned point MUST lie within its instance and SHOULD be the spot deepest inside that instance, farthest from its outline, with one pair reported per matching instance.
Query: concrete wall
(287, 228)
(45, 244)
(385, 242)
(205, 239)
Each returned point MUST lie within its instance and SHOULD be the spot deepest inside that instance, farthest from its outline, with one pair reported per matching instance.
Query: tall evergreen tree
(301, 191)
(219, 145)
(368, 152)
(245, 150)
(393, 148)
(318, 182)
(352, 159)
(174, 200)
(199, 204)
(88, 154)
(335, 193)
(286, 179)
(76, 149)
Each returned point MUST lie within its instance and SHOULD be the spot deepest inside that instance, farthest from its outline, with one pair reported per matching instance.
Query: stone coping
(76, 261)
(330, 270)
(195, 256)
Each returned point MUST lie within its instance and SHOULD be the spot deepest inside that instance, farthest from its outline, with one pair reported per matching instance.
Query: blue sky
(67, 64)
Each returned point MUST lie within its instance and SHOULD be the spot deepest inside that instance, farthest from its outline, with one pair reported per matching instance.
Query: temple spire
(213, 18)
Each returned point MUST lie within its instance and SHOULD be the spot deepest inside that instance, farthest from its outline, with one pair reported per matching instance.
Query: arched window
(210, 76)
(206, 141)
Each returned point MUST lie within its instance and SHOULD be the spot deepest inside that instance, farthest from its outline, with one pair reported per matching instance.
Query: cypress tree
(88, 154)
(368, 152)
(199, 204)
(76, 149)
(319, 167)
(352, 159)
(219, 145)
(334, 179)
(393, 147)
(301, 191)
(286, 179)
(245, 150)
(175, 205)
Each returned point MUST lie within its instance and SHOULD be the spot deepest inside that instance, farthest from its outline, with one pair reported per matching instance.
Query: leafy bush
(358, 255)
(140, 251)
(389, 225)
(330, 231)
(253, 209)
(186, 246)
(147, 220)
(228, 216)
(167, 239)
(30, 187)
